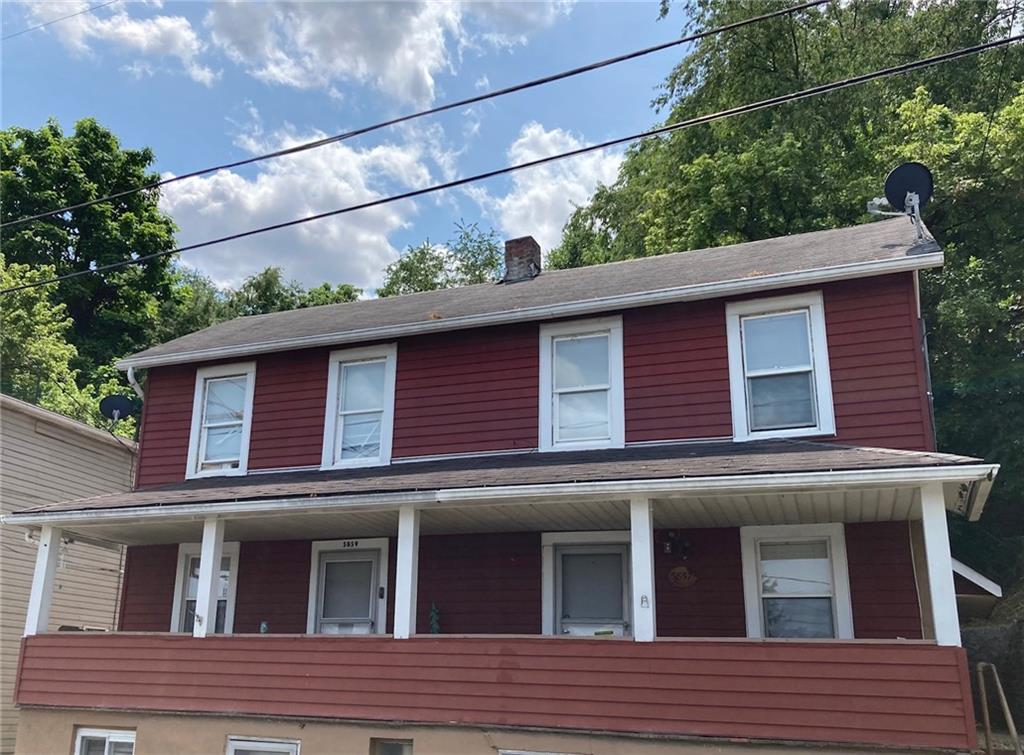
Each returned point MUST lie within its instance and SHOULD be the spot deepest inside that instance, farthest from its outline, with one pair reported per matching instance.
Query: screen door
(592, 590)
(348, 586)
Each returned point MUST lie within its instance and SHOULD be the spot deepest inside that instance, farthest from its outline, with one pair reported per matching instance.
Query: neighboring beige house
(44, 458)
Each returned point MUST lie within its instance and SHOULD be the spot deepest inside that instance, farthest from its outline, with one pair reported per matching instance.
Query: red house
(640, 507)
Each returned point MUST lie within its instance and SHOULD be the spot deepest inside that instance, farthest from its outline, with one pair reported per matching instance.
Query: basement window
(221, 419)
(581, 385)
(778, 367)
(247, 746)
(360, 407)
(104, 742)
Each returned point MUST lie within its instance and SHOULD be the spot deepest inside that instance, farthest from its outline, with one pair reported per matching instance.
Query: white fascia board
(553, 493)
(986, 584)
(553, 311)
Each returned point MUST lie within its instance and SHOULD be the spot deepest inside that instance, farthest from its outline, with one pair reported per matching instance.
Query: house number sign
(349, 543)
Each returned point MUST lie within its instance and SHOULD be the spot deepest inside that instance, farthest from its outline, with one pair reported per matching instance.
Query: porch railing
(878, 693)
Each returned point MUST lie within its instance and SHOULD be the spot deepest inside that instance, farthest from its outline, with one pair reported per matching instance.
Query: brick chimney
(522, 259)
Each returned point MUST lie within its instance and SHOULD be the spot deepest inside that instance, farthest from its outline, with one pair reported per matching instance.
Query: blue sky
(205, 83)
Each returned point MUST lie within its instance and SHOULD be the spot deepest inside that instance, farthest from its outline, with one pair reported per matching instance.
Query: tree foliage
(472, 256)
(112, 313)
(813, 164)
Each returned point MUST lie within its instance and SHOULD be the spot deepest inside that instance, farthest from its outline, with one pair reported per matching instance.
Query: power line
(56, 20)
(423, 113)
(668, 128)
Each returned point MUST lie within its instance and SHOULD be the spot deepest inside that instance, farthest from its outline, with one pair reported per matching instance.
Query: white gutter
(459, 497)
(552, 311)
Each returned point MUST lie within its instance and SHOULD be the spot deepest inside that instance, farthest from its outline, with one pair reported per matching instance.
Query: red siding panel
(467, 391)
(288, 408)
(166, 418)
(273, 586)
(147, 592)
(878, 372)
(700, 595)
(481, 584)
(883, 589)
(913, 695)
(676, 369)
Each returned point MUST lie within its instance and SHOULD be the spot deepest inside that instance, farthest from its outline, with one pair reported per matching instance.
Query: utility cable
(57, 20)
(661, 130)
(423, 113)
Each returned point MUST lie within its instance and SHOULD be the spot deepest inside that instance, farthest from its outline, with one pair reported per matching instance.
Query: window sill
(581, 446)
(356, 464)
(798, 432)
(218, 473)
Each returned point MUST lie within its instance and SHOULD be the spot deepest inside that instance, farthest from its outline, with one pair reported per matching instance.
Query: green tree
(325, 293)
(812, 164)
(471, 256)
(112, 313)
(36, 357)
(194, 302)
(266, 291)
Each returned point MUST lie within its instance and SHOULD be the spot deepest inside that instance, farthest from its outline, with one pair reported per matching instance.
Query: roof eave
(491, 495)
(568, 309)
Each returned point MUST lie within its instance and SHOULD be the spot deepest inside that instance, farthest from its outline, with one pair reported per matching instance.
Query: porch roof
(717, 460)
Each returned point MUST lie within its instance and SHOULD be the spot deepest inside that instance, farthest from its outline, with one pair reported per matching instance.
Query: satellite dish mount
(908, 188)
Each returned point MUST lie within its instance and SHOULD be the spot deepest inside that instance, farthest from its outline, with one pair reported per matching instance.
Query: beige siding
(46, 458)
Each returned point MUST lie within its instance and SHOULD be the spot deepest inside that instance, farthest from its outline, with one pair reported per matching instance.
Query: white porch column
(939, 564)
(641, 548)
(406, 568)
(38, 616)
(209, 577)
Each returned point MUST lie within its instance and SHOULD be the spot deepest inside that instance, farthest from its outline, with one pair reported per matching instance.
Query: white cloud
(352, 248)
(396, 47)
(158, 36)
(542, 198)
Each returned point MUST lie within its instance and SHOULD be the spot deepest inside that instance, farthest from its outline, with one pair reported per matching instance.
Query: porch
(814, 604)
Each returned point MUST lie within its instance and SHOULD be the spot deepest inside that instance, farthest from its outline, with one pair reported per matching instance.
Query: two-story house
(640, 507)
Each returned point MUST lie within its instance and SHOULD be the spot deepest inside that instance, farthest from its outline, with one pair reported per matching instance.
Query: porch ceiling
(555, 515)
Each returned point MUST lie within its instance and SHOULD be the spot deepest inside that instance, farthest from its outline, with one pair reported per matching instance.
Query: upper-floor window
(778, 367)
(581, 394)
(360, 407)
(221, 418)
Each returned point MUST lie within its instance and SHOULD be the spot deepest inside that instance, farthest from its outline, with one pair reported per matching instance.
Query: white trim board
(552, 311)
(188, 550)
(986, 584)
(350, 544)
(792, 482)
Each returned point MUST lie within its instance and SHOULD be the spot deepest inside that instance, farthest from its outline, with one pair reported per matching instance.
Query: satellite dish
(905, 180)
(117, 407)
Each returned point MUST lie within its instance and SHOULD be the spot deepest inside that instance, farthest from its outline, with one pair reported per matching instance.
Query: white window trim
(548, 541)
(616, 392)
(811, 301)
(352, 544)
(189, 550)
(111, 735)
(836, 535)
(202, 375)
(263, 744)
(387, 352)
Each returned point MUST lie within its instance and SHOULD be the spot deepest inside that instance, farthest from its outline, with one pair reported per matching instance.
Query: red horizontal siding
(676, 371)
(147, 591)
(477, 390)
(913, 695)
(288, 407)
(467, 391)
(273, 586)
(710, 606)
(481, 584)
(883, 589)
(166, 419)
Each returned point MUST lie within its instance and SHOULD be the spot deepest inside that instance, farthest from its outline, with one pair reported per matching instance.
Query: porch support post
(939, 564)
(406, 568)
(37, 619)
(209, 577)
(641, 539)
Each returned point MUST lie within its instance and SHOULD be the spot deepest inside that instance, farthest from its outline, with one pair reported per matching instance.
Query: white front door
(592, 590)
(348, 592)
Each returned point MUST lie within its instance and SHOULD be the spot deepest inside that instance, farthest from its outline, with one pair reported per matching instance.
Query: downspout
(135, 384)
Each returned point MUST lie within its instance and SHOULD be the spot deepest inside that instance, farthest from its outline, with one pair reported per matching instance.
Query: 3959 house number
(349, 543)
